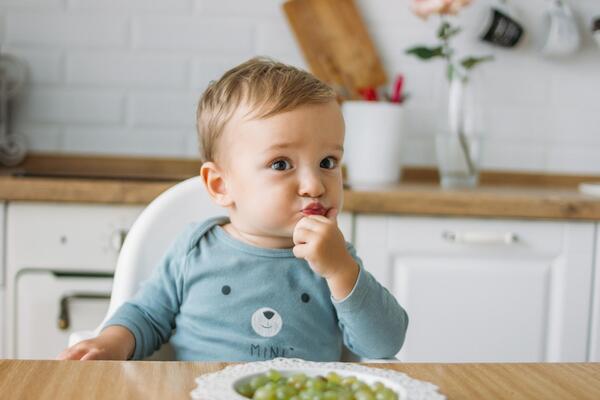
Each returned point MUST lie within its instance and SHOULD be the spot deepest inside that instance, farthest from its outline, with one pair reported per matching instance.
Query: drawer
(478, 236)
(66, 236)
(2, 241)
(3, 322)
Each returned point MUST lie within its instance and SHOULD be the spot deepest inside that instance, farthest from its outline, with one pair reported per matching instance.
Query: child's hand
(319, 241)
(114, 343)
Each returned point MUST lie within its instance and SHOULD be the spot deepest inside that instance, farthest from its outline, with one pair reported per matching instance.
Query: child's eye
(280, 165)
(329, 163)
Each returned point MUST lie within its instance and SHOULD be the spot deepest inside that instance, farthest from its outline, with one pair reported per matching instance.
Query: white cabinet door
(485, 290)
(345, 221)
(2, 273)
(595, 328)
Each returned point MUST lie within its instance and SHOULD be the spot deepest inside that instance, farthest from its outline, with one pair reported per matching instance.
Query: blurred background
(123, 77)
(101, 95)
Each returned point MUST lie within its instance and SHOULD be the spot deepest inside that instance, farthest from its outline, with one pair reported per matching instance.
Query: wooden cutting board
(336, 43)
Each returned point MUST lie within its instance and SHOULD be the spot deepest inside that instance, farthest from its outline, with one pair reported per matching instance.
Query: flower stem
(453, 73)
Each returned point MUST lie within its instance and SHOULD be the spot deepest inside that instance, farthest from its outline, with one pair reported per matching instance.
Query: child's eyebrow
(280, 146)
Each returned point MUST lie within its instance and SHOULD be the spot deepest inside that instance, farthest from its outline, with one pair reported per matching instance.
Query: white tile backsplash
(162, 109)
(43, 66)
(193, 34)
(66, 30)
(124, 76)
(127, 69)
(35, 5)
(133, 6)
(68, 105)
(122, 141)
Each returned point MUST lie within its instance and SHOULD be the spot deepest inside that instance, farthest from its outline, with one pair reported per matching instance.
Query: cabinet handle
(480, 237)
(118, 238)
(63, 318)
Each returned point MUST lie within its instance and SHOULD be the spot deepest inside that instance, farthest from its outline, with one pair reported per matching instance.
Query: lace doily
(220, 385)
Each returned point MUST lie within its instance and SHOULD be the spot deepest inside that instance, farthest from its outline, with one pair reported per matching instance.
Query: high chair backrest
(152, 233)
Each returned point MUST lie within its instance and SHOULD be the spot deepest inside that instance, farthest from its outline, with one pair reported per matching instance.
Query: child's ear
(215, 184)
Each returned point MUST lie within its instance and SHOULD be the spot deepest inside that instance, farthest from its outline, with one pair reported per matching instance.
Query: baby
(275, 278)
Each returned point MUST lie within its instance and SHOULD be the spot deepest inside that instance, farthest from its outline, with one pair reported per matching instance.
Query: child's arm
(113, 343)
(150, 315)
(372, 321)
(140, 326)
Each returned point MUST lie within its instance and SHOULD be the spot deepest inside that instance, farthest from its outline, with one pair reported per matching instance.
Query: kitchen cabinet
(595, 322)
(60, 259)
(479, 290)
(2, 290)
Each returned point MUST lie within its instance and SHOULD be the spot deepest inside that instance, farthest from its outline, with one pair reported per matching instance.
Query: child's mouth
(314, 209)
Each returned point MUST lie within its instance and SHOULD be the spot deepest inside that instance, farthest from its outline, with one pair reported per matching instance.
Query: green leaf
(446, 31)
(425, 53)
(470, 62)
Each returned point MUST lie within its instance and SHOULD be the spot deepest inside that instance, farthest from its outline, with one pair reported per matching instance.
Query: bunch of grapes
(272, 385)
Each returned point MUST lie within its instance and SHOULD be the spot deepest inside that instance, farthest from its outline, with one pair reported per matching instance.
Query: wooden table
(25, 379)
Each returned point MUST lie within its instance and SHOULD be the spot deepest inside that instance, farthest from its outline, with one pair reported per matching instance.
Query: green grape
(285, 392)
(342, 395)
(384, 396)
(258, 381)
(364, 395)
(263, 393)
(358, 386)
(334, 378)
(299, 377)
(273, 375)
(272, 385)
(318, 383)
(330, 395)
(348, 380)
(246, 390)
(309, 394)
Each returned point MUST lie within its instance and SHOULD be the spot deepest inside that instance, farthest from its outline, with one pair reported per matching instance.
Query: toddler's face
(282, 168)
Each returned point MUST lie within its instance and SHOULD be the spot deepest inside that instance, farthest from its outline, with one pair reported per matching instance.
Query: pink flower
(425, 8)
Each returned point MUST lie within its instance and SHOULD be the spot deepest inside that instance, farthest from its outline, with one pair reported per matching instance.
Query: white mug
(562, 33)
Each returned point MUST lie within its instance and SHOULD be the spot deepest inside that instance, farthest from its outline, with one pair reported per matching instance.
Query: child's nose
(311, 185)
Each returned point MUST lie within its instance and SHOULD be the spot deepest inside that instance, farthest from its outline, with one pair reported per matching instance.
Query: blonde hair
(268, 87)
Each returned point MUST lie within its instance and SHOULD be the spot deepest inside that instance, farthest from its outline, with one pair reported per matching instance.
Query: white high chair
(149, 238)
(147, 241)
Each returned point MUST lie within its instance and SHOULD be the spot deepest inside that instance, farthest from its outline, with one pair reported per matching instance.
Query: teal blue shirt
(216, 298)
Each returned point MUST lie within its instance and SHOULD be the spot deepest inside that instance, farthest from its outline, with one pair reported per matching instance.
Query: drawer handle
(480, 237)
(64, 320)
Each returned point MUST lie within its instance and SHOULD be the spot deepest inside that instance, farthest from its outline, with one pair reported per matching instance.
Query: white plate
(221, 385)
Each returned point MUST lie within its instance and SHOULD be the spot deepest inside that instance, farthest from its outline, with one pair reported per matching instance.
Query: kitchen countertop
(46, 379)
(130, 181)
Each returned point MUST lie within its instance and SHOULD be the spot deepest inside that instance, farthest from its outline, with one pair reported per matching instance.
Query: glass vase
(458, 140)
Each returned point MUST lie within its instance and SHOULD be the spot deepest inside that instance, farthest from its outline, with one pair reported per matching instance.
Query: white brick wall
(123, 76)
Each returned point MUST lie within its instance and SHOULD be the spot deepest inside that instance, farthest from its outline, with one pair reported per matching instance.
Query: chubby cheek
(271, 206)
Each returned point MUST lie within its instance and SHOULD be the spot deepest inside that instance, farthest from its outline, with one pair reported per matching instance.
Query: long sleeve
(373, 323)
(150, 315)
